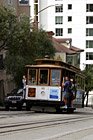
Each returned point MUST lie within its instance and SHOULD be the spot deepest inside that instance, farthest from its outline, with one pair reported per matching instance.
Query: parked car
(14, 99)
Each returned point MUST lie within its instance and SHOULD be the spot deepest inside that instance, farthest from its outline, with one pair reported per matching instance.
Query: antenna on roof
(46, 56)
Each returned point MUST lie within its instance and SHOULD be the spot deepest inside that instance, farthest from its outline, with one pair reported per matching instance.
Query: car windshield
(20, 91)
(14, 91)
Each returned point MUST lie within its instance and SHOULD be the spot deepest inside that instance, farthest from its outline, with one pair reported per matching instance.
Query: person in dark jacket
(66, 86)
(72, 91)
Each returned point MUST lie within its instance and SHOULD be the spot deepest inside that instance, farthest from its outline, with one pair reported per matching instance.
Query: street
(32, 125)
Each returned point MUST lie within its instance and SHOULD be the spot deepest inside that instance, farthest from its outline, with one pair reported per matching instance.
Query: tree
(7, 25)
(88, 81)
(22, 44)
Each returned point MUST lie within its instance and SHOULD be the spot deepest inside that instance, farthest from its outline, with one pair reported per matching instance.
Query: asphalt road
(31, 125)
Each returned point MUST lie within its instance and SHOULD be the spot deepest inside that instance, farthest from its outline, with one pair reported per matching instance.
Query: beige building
(6, 81)
(66, 52)
(20, 6)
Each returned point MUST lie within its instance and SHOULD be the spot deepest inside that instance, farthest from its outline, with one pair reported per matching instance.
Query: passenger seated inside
(42, 80)
(43, 77)
(32, 80)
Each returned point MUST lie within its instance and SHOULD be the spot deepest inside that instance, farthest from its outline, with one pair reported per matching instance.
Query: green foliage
(7, 24)
(23, 44)
(88, 81)
(89, 78)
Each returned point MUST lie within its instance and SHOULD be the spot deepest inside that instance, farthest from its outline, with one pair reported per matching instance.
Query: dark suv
(14, 99)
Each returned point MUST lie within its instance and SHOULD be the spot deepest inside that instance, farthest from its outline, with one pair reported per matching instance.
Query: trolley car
(44, 84)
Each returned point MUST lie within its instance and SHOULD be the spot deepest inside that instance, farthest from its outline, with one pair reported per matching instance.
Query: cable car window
(32, 76)
(55, 77)
(43, 77)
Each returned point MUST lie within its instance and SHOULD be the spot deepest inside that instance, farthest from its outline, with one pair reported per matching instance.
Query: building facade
(68, 19)
(20, 6)
(6, 81)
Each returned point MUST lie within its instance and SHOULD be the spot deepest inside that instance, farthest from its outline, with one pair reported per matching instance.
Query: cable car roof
(55, 64)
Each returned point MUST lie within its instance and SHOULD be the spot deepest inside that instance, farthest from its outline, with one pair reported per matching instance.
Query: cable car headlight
(42, 93)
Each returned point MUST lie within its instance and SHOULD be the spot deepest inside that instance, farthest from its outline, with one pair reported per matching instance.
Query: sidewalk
(85, 109)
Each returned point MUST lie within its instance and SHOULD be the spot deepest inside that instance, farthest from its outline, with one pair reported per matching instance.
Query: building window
(23, 2)
(89, 44)
(88, 66)
(69, 60)
(69, 30)
(89, 20)
(1, 62)
(69, 18)
(43, 76)
(9, 2)
(55, 77)
(89, 32)
(35, 1)
(59, 32)
(89, 56)
(58, 20)
(69, 6)
(59, 8)
(35, 9)
(89, 7)
(78, 59)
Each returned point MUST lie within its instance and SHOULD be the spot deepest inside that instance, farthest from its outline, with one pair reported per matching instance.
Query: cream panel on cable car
(31, 92)
(54, 93)
(42, 92)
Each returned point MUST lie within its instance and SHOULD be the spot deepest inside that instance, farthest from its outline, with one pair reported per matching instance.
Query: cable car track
(39, 124)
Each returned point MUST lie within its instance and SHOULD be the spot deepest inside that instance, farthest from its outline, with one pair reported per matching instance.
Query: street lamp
(45, 9)
(36, 21)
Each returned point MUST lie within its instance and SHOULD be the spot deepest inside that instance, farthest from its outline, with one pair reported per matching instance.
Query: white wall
(78, 24)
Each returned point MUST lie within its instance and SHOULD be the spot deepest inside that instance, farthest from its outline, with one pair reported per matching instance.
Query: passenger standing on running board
(73, 91)
(24, 85)
(66, 85)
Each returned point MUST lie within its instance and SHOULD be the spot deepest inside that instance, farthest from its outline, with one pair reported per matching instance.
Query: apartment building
(68, 19)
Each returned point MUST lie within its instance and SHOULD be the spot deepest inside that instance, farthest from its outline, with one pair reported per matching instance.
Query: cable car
(44, 85)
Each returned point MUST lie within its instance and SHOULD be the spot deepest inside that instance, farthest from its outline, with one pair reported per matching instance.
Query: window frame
(59, 77)
(88, 56)
(69, 6)
(39, 76)
(88, 7)
(88, 19)
(69, 18)
(88, 43)
(59, 9)
(28, 76)
(10, 2)
(70, 29)
(59, 33)
(88, 31)
(60, 18)
(36, 1)
(23, 4)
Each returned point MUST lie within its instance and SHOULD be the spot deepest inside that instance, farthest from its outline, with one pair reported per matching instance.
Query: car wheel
(19, 108)
(7, 108)
(28, 108)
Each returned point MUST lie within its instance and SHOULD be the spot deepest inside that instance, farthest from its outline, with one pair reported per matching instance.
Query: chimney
(50, 34)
